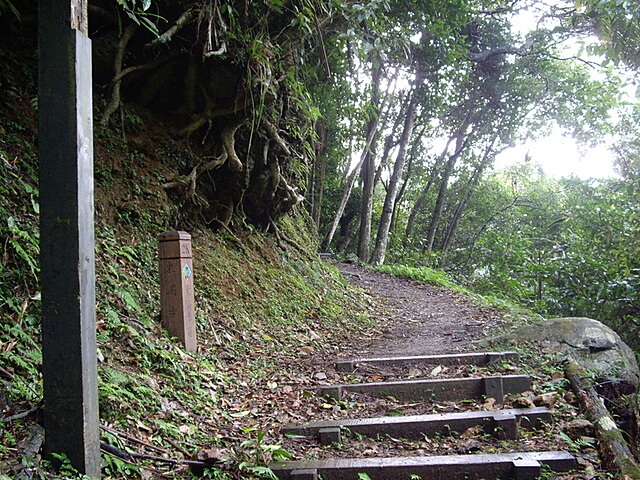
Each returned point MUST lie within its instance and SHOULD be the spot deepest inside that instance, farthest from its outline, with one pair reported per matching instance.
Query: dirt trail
(419, 319)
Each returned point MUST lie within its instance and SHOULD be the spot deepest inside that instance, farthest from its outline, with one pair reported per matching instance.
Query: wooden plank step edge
(453, 389)
(479, 359)
(504, 423)
(520, 466)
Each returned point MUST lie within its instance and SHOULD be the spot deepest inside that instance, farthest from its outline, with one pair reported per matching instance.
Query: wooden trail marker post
(176, 288)
(67, 235)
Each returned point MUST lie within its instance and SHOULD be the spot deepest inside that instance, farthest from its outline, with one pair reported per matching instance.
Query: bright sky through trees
(561, 156)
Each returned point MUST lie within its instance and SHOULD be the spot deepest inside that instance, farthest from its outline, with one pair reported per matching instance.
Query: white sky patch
(560, 156)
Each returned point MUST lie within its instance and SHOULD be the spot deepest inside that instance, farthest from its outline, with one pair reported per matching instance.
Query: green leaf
(7, 5)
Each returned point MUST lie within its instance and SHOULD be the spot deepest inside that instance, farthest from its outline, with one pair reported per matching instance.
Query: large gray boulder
(589, 342)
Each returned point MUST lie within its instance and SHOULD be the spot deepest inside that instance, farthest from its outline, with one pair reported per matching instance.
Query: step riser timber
(503, 423)
(454, 389)
(478, 359)
(520, 466)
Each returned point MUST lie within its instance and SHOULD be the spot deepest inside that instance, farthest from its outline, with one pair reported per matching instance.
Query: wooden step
(502, 423)
(479, 359)
(505, 466)
(450, 389)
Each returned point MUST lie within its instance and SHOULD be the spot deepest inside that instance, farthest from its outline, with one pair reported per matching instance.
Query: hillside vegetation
(265, 302)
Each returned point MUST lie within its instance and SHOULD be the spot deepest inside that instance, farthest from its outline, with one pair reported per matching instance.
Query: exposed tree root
(32, 446)
(292, 196)
(274, 176)
(216, 162)
(228, 142)
(130, 457)
(135, 68)
(188, 180)
(281, 238)
(114, 103)
(199, 122)
(275, 136)
(208, 115)
(213, 46)
(614, 450)
(228, 154)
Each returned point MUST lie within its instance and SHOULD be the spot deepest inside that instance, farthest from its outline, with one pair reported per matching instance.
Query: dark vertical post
(176, 288)
(67, 235)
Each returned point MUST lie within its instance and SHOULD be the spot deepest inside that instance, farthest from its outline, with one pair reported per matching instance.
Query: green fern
(6, 5)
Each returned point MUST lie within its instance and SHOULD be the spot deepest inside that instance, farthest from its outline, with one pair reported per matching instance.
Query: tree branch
(166, 37)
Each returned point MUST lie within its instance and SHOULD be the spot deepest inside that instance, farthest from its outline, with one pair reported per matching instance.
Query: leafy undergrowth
(261, 312)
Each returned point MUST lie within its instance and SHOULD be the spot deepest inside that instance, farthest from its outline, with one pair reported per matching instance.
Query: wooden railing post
(67, 235)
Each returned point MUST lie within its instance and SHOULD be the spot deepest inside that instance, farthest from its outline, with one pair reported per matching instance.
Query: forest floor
(416, 318)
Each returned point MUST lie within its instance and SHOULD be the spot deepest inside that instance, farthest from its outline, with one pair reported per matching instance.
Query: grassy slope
(262, 307)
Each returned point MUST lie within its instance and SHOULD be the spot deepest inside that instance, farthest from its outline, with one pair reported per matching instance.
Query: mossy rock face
(592, 344)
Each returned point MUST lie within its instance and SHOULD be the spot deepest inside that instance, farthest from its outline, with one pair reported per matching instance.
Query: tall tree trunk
(460, 209)
(371, 135)
(489, 155)
(400, 195)
(370, 175)
(389, 143)
(407, 179)
(408, 232)
(318, 176)
(382, 238)
(423, 196)
(442, 192)
(347, 232)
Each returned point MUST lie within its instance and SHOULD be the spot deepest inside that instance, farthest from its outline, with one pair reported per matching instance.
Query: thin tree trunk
(382, 238)
(400, 195)
(369, 175)
(407, 178)
(351, 179)
(423, 197)
(489, 155)
(457, 216)
(442, 192)
(319, 173)
(408, 232)
(347, 232)
(389, 143)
